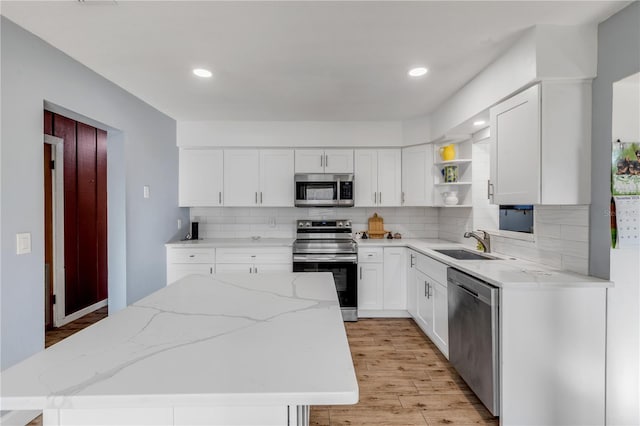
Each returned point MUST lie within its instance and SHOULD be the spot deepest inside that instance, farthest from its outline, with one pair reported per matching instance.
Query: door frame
(57, 179)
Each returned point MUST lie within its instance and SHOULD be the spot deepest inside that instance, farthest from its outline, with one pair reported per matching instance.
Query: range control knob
(339, 224)
(307, 224)
(301, 224)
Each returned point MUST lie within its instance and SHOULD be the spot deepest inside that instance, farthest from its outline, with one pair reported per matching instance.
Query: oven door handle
(328, 258)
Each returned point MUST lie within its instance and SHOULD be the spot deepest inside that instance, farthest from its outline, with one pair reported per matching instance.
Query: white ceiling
(292, 60)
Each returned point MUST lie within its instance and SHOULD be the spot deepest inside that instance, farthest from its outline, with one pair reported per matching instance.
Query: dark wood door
(48, 238)
(85, 212)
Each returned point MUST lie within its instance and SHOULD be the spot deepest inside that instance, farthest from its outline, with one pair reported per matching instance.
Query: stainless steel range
(328, 246)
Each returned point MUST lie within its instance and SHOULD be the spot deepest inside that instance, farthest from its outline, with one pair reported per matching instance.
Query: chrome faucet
(484, 239)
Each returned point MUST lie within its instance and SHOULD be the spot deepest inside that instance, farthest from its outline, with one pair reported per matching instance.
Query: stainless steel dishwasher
(473, 335)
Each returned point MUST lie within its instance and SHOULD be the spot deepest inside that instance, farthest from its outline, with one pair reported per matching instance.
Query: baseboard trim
(374, 313)
(18, 417)
(82, 312)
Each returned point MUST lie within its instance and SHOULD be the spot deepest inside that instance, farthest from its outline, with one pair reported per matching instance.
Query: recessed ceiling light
(201, 72)
(418, 71)
(479, 123)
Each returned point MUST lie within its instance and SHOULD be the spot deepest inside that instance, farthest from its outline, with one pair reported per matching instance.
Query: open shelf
(452, 162)
(453, 184)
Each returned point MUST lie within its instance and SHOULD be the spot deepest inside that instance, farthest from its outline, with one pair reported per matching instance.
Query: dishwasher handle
(471, 292)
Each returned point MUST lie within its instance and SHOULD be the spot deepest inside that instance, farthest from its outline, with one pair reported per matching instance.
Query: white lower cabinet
(412, 289)
(395, 279)
(429, 287)
(254, 260)
(183, 261)
(370, 290)
(382, 286)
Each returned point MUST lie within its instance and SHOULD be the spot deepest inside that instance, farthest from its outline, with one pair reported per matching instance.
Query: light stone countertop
(233, 242)
(503, 272)
(225, 340)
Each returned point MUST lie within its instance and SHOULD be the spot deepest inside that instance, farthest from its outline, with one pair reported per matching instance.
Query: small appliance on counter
(194, 230)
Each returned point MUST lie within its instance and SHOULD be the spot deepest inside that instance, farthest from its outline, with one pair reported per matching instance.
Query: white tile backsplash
(560, 239)
(235, 222)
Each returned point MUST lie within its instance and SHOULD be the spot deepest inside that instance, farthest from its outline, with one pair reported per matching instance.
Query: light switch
(23, 243)
(146, 191)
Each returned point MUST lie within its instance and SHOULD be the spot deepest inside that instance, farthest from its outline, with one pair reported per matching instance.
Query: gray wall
(618, 57)
(141, 152)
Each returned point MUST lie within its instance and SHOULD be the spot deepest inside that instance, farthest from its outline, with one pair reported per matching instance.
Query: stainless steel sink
(462, 254)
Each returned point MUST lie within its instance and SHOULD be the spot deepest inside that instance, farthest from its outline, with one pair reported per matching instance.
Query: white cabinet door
(176, 271)
(276, 178)
(395, 282)
(440, 316)
(272, 268)
(338, 161)
(370, 290)
(425, 303)
(412, 290)
(366, 177)
(309, 161)
(417, 182)
(515, 153)
(389, 177)
(241, 177)
(223, 268)
(200, 177)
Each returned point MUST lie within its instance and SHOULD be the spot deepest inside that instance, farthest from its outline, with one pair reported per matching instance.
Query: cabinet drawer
(191, 255)
(433, 268)
(254, 255)
(370, 255)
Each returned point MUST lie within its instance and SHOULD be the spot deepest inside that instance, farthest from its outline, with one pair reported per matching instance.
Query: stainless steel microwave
(324, 190)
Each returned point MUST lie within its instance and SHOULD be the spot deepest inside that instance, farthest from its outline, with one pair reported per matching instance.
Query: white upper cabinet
(200, 177)
(241, 177)
(256, 178)
(515, 128)
(276, 178)
(541, 145)
(338, 161)
(365, 177)
(417, 180)
(377, 177)
(324, 161)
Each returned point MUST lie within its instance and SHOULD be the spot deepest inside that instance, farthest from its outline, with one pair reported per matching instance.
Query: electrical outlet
(272, 222)
(179, 223)
(145, 191)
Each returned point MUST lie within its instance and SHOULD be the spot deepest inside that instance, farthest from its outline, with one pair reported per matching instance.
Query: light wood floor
(403, 378)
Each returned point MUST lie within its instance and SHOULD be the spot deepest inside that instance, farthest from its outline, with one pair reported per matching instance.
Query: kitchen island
(215, 350)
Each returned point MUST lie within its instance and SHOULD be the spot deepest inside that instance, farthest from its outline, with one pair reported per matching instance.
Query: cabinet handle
(402, 197)
(192, 255)
(326, 160)
(380, 197)
(256, 198)
(219, 197)
(260, 197)
(425, 290)
(321, 160)
(211, 270)
(489, 190)
(361, 272)
(250, 269)
(411, 258)
(255, 269)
